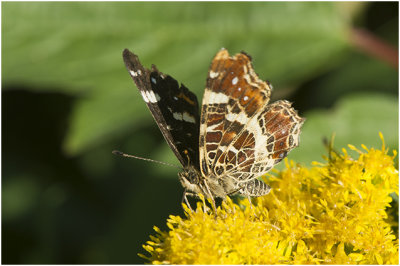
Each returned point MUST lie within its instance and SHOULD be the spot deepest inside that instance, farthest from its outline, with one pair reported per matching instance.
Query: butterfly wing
(174, 108)
(268, 138)
(238, 126)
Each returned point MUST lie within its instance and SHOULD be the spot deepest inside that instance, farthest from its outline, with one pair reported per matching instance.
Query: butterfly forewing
(174, 108)
(241, 136)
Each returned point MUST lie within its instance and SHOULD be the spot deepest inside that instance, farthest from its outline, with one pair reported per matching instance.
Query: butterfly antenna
(120, 153)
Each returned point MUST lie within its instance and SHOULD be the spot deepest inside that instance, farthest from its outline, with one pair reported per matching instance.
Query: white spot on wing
(215, 97)
(144, 95)
(213, 74)
(241, 117)
(222, 148)
(154, 80)
(203, 127)
(245, 98)
(233, 149)
(235, 80)
(239, 89)
(152, 97)
(230, 116)
(188, 118)
(177, 116)
(133, 73)
(247, 78)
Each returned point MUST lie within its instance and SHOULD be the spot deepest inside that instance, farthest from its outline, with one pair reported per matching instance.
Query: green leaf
(19, 196)
(356, 119)
(75, 48)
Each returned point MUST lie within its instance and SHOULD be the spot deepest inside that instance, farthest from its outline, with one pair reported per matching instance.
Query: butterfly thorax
(193, 181)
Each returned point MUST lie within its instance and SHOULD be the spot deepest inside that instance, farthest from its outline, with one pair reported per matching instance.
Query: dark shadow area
(71, 217)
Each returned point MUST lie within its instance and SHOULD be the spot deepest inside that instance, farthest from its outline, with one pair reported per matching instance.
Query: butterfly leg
(211, 197)
(185, 200)
(251, 204)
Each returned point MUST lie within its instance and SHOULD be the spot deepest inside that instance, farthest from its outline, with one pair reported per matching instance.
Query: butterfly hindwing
(238, 126)
(174, 108)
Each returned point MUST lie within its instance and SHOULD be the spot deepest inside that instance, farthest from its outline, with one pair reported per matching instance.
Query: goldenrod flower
(331, 213)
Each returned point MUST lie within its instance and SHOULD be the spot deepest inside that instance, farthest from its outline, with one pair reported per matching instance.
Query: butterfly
(238, 136)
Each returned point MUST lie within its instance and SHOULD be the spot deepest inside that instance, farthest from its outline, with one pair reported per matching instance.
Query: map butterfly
(239, 135)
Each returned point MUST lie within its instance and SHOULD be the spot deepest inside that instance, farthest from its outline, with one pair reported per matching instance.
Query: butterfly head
(190, 179)
(212, 186)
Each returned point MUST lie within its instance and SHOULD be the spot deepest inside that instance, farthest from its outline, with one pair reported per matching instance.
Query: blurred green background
(68, 101)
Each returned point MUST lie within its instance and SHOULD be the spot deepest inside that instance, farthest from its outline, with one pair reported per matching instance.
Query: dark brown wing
(174, 108)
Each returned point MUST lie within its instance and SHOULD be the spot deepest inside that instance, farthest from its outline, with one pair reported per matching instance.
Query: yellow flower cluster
(332, 213)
